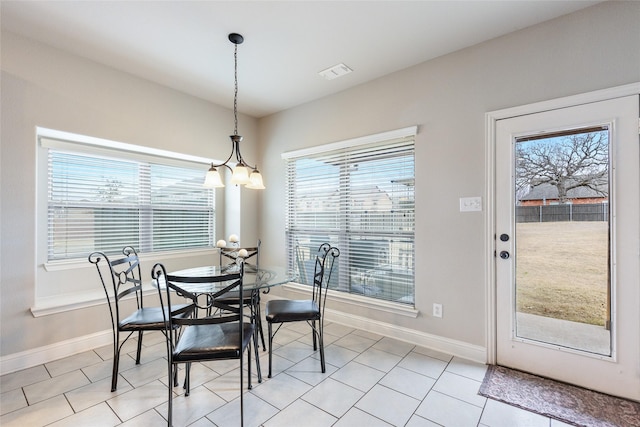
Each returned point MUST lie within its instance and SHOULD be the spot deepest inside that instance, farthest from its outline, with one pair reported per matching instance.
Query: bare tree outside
(110, 191)
(566, 162)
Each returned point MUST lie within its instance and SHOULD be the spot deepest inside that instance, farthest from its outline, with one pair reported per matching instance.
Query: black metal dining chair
(250, 298)
(220, 337)
(121, 281)
(309, 310)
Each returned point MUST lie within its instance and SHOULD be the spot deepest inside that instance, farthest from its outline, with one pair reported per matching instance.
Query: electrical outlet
(437, 310)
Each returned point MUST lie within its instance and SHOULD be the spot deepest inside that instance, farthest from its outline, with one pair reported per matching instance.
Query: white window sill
(359, 301)
(72, 264)
(46, 306)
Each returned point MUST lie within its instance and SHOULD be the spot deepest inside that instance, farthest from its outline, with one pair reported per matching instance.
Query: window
(359, 196)
(106, 199)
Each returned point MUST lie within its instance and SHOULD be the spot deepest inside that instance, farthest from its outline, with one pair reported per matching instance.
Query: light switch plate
(470, 204)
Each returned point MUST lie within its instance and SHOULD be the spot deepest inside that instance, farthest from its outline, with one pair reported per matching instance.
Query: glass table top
(254, 278)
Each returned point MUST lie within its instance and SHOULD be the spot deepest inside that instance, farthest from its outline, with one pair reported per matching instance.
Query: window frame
(67, 285)
(147, 158)
(343, 234)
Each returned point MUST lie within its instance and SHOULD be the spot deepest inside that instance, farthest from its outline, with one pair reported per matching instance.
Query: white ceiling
(184, 45)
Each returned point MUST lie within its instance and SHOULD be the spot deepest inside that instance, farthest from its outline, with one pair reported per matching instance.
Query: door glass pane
(562, 271)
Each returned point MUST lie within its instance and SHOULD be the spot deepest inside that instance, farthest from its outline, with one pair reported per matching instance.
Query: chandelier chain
(235, 94)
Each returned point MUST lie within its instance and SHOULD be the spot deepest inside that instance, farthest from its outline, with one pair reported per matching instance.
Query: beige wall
(45, 87)
(447, 98)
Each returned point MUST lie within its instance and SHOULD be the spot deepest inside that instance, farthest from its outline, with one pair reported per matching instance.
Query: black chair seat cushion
(147, 318)
(211, 342)
(280, 311)
(232, 297)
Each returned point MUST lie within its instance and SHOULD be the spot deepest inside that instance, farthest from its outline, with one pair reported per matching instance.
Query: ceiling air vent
(335, 71)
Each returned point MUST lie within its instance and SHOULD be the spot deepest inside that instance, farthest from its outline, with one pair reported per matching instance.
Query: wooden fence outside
(566, 212)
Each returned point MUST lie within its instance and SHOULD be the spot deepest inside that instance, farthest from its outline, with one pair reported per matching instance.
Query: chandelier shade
(255, 180)
(213, 178)
(241, 174)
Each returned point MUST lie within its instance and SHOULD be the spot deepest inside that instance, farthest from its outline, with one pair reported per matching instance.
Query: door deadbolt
(504, 237)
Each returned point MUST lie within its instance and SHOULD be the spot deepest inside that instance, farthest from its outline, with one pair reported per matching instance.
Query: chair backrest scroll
(125, 279)
(325, 260)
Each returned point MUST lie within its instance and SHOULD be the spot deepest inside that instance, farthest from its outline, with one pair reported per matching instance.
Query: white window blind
(105, 202)
(361, 200)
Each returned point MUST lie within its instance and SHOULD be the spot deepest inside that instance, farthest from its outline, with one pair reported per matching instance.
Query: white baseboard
(37, 356)
(462, 349)
(27, 359)
(445, 345)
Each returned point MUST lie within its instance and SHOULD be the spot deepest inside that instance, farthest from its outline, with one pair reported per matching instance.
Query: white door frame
(490, 152)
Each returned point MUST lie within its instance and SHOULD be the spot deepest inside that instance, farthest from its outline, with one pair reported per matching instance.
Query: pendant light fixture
(240, 173)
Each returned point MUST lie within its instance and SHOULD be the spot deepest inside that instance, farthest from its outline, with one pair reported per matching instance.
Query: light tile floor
(370, 381)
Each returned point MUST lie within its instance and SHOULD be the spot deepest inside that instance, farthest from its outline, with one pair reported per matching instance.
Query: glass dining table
(255, 279)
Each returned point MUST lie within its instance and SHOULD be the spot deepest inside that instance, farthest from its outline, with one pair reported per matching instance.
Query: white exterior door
(567, 244)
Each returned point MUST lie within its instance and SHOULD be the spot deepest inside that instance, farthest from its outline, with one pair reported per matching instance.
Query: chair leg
(315, 341)
(173, 372)
(256, 349)
(187, 382)
(169, 351)
(114, 372)
(270, 331)
(261, 332)
(139, 347)
(241, 388)
(259, 323)
(117, 346)
(321, 344)
(175, 376)
(249, 386)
